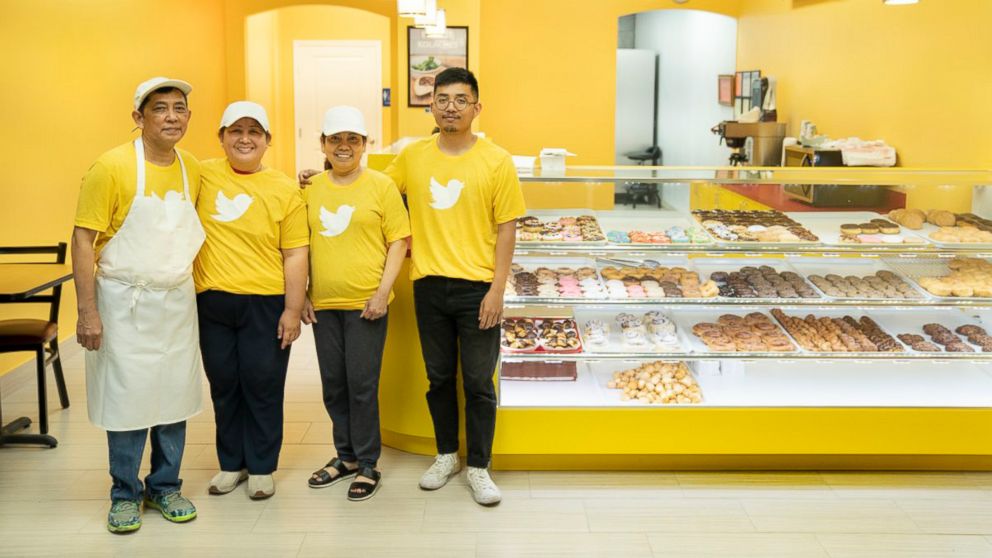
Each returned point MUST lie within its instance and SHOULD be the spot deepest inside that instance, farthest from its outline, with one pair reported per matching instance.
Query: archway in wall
(668, 63)
(273, 40)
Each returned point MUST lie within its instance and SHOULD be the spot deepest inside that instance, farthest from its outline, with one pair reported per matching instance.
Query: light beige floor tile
(560, 545)
(390, 545)
(339, 516)
(737, 545)
(41, 517)
(825, 516)
(463, 515)
(634, 484)
(671, 515)
(963, 516)
(907, 485)
(905, 546)
(145, 543)
(753, 485)
(319, 433)
(53, 486)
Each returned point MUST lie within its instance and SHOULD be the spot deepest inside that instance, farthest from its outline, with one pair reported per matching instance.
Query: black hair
(436, 130)
(457, 75)
(169, 89)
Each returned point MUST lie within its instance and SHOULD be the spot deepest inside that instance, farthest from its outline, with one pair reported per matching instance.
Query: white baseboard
(26, 373)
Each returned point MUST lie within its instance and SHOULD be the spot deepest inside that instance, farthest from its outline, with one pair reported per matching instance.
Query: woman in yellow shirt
(358, 237)
(251, 277)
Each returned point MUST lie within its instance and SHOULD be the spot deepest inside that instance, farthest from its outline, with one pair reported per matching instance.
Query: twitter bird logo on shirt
(229, 210)
(335, 223)
(445, 197)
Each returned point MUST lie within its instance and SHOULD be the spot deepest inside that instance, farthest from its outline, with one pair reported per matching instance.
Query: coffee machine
(755, 144)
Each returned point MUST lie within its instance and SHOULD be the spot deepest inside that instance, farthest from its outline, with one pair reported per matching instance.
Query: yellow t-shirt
(111, 182)
(455, 203)
(350, 229)
(249, 219)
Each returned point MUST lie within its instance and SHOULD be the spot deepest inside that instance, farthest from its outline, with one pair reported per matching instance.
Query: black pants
(349, 351)
(448, 319)
(247, 374)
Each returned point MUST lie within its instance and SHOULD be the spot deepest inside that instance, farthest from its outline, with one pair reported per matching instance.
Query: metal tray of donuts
(723, 267)
(619, 279)
(951, 331)
(551, 225)
(564, 278)
(653, 331)
(687, 319)
(891, 344)
(919, 270)
(871, 290)
(540, 336)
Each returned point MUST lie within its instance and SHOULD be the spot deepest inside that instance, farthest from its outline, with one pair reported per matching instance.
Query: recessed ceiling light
(899, 2)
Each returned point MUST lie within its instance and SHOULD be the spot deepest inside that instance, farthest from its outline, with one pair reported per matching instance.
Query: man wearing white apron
(135, 237)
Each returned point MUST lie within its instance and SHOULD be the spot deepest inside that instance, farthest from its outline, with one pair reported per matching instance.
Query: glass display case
(737, 293)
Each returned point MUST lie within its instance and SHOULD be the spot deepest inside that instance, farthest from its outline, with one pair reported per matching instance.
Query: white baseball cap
(343, 118)
(146, 88)
(241, 109)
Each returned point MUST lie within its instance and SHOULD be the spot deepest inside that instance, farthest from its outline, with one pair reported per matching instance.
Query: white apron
(147, 371)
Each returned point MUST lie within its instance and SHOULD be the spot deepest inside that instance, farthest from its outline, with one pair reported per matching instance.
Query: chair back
(57, 252)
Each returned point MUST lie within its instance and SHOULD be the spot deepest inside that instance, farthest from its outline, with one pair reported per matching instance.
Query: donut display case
(734, 327)
(762, 312)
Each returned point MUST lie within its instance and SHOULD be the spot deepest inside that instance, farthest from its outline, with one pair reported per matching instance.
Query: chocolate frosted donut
(969, 330)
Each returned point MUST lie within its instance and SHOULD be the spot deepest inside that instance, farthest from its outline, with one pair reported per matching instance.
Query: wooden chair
(41, 338)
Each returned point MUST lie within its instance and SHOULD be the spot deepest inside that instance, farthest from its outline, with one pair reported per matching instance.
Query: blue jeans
(126, 448)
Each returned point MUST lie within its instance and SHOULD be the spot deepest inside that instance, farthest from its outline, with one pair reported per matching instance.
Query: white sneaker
(484, 490)
(445, 466)
(261, 486)
(226, 481)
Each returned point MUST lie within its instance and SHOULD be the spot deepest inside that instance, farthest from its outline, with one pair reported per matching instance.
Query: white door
(329, 73)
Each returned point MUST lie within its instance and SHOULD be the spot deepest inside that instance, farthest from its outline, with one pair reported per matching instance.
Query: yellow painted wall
(67, 80)
(269, 68)
(913, 75)
(548, 75)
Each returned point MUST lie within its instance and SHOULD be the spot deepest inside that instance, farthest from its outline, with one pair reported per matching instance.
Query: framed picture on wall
(725, 90)
(427, 57)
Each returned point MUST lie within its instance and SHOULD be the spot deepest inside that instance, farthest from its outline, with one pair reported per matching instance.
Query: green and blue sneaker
(173, 505)
(124, 516)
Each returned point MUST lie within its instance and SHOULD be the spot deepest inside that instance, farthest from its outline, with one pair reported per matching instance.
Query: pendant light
(429, 19)
(411, 8)
(899, 2)
(440, 28)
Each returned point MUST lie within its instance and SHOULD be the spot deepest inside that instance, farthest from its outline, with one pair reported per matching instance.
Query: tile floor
(54, 502)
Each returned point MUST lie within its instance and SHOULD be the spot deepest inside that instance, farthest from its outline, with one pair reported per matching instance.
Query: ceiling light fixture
(411, 8)
(899, 2)
(440, 28)
(428, 19)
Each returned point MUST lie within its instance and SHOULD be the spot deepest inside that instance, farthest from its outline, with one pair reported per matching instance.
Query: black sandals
(359, 491)
(322, 479)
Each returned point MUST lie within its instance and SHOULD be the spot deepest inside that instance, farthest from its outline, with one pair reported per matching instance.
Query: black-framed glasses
(461, 103)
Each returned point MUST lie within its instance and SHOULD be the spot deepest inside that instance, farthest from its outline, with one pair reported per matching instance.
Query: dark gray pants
(448, 322)
(349, 352)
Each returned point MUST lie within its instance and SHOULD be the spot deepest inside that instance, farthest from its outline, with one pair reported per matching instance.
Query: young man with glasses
(464, 199)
